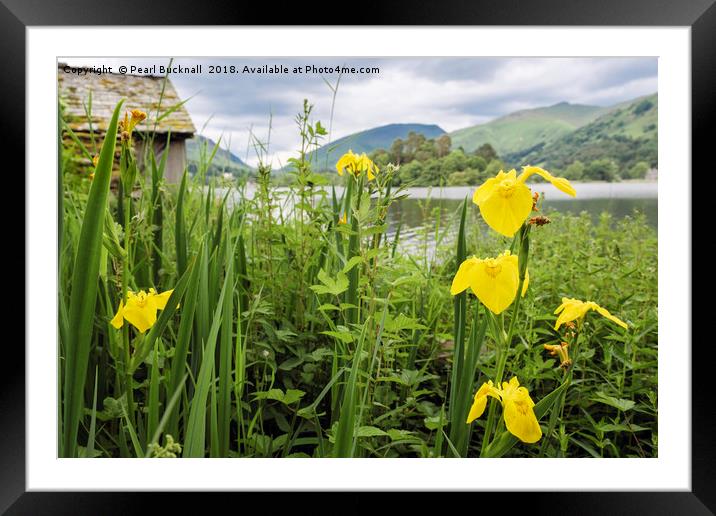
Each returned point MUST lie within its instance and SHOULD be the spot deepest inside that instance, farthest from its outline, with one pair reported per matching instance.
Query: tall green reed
(83, 296)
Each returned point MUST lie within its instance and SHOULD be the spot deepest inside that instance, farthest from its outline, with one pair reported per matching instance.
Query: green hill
(224, 160)
(626, 134)
(368, 141)
(526, 128)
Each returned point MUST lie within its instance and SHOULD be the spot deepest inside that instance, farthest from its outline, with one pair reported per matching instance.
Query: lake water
(619, 199)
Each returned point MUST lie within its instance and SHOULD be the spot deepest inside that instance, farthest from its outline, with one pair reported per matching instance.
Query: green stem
(353, 294)
(125, 326)
(559, 409)
(504, 346)
(501, 357)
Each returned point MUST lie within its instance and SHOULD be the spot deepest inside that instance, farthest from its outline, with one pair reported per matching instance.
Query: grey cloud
(448, 91)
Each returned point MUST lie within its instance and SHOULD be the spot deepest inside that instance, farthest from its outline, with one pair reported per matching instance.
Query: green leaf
(316, 179)
(133, 436)
(167, 414)
(396, 434)
(402, 322)
(328, 307)
(351, 263)
(225, 356)
(408, 377)
(85, 276)
(93, 420)
(610, 427)
(181, 349)
(435, 422)
(346, 424)
(290, 363)
(370, 431)
(290, 397)
(343, 336)
(180, 236)
(153, 407)
(319, 354)
(331, 286)
(309, 412)
(87, 453)
(381, 228)
(272, 394)
(196, 424)
(621, 404)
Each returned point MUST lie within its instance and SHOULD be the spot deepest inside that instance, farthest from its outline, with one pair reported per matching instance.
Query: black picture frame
(699, 15)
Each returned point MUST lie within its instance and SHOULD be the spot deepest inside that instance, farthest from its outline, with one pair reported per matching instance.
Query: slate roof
(140, 91)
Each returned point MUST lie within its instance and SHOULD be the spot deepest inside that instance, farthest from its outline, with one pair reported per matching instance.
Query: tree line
(431, 162)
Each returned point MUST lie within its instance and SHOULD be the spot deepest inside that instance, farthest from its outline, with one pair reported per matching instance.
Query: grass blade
(458, 431)
(346, 423)
(194, 444)
(225, 384)
(138, 452)
(93, 420)
(158, 209)
(153, 415)
(167, 413)
(84, 290)
(180, 229)
(181, 348)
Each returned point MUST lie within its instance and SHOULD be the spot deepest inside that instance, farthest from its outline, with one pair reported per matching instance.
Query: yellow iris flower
(494, 280)
(357, 164)
(517, 409)
(573, 309)
(131, 119)
(561, 349)
(141, 309)
(505, 200)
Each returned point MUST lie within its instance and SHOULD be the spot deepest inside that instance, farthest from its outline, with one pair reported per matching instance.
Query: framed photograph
(394, 257)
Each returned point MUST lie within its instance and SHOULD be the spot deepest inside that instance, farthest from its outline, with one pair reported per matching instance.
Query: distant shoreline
(586, 190)
(632, 189)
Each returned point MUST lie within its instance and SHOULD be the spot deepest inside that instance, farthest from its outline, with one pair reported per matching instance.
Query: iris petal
(485, 190)
(480, 401)
(160, 300)
(141, 317)
(526, 282)
(605, 313)
(560, 183)
(356, 164)
(478, 407)
(463, 276)
(506, 213)
(573, 309)
(118, 318)
(520, 419)
(346, 160)
(496, 290)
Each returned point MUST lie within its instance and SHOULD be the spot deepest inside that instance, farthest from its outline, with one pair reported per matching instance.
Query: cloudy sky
(450, 92)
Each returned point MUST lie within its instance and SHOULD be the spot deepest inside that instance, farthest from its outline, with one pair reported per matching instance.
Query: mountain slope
(626, 134)
(223, 158)
(370, 140)
(526, 128)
